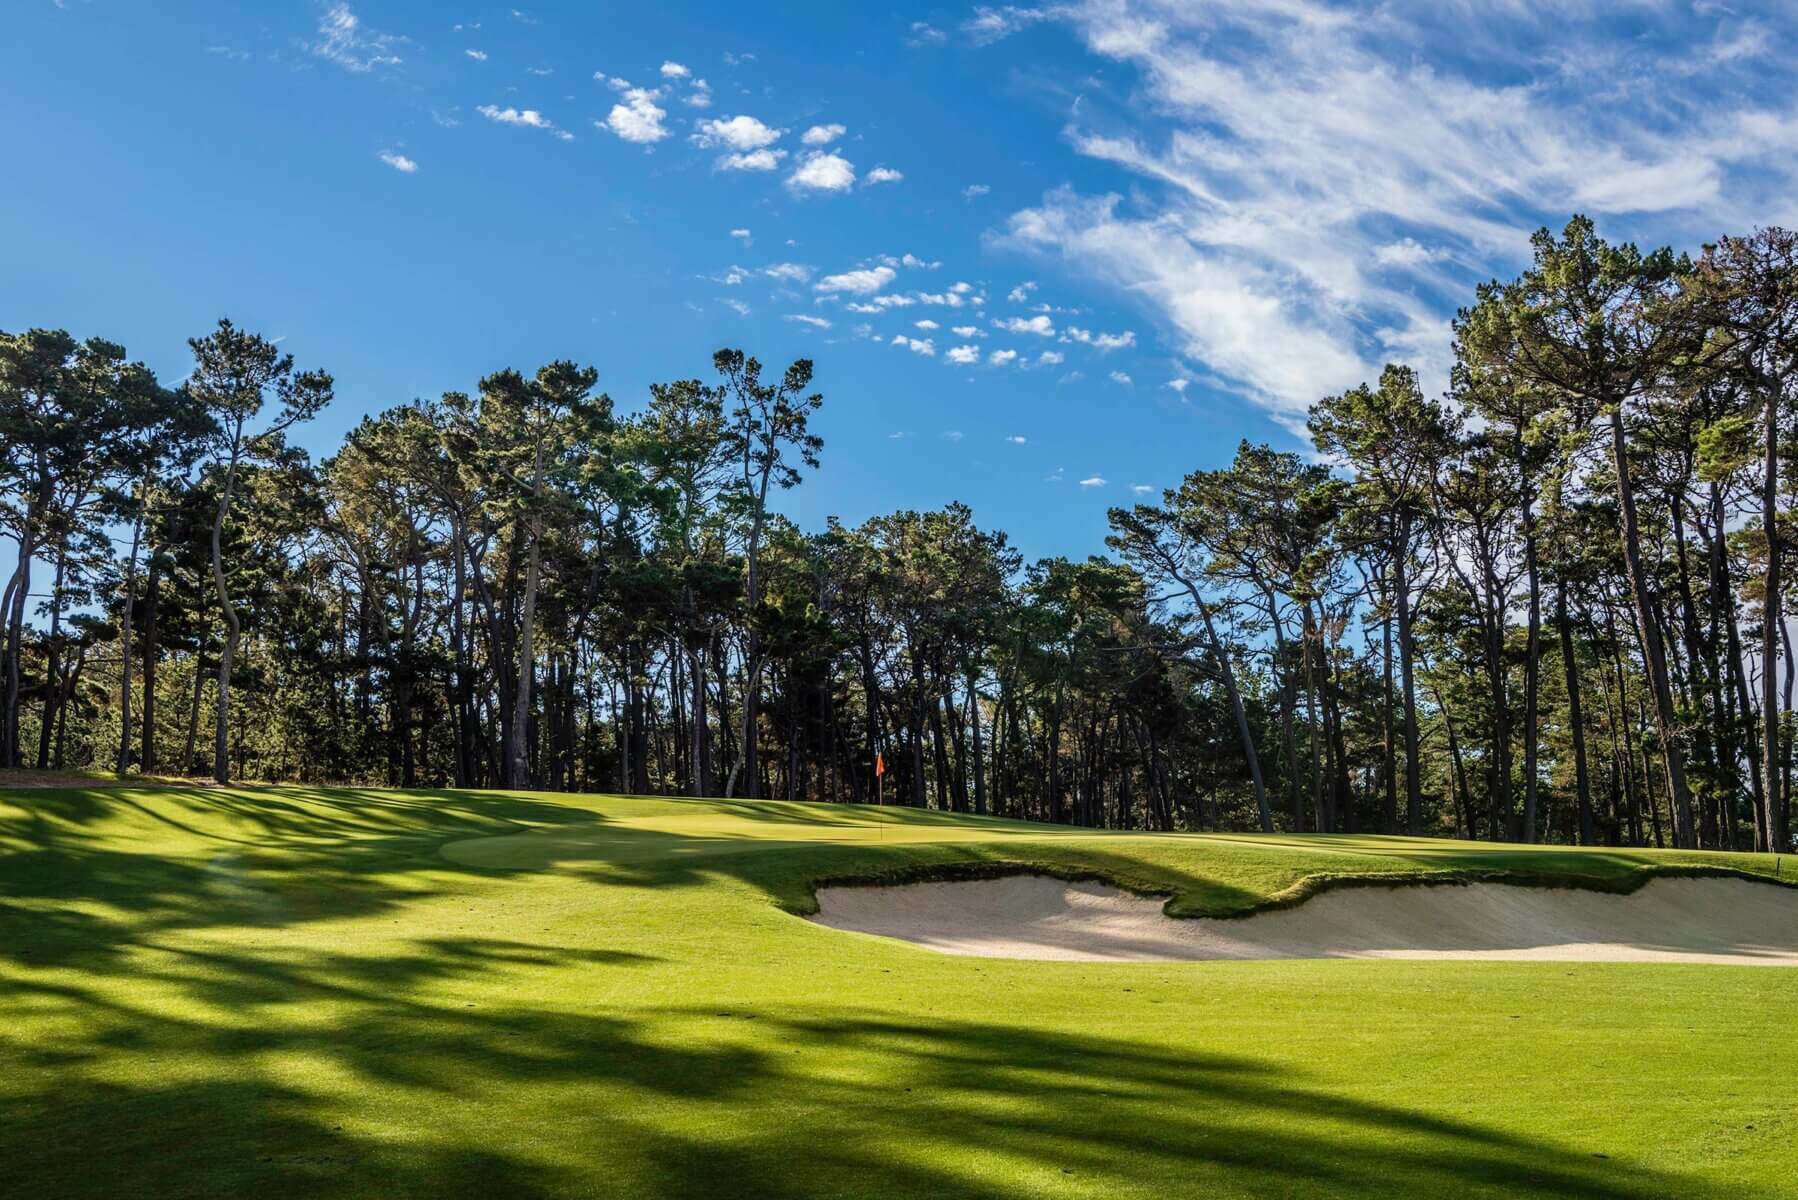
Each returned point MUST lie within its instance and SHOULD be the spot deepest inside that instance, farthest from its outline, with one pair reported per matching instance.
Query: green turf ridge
(1297, 893)
(358, 992)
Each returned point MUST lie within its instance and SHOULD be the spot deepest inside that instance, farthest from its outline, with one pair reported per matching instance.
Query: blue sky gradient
(1052, 255)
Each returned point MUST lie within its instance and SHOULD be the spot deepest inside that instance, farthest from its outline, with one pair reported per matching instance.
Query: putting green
(310, 992)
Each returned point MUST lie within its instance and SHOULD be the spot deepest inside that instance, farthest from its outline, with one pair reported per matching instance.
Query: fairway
(310, 992)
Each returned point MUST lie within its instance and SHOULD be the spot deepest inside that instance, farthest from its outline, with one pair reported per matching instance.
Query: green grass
(339, 992)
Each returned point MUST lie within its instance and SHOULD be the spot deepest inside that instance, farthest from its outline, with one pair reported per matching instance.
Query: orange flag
(880, 765)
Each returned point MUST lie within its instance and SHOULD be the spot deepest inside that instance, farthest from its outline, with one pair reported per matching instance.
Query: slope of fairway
(1728, 921)
(310, 992)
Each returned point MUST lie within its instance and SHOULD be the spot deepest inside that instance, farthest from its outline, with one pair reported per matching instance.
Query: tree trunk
(1770, 632)
(1263, 813)
(1575, 719)
(1532, 667)
(146, 758)
(221, 765)
(137, 531)
(1401, 589)
(53, 658)
(1653, 653)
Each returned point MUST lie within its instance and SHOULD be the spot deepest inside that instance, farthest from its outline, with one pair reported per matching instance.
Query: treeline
(1543, 607)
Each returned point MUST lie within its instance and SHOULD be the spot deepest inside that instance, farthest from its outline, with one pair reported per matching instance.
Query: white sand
(1699, 920)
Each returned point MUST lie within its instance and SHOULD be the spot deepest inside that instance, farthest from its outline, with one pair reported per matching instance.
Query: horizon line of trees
(1546, 606)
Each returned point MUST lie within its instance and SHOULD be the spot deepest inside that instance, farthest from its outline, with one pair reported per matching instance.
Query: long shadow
(446, 1066)
(704, 1103)
(265, 858)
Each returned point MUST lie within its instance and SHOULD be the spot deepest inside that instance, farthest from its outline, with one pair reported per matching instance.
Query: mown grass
(354, 992)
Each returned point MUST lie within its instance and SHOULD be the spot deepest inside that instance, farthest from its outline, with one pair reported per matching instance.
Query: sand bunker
(1697, 920)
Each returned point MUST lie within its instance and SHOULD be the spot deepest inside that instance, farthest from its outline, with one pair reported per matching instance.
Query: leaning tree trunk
(1262, 812)
(1654, 656)
(1770, 632)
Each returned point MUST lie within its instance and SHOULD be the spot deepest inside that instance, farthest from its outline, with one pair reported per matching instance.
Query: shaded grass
(317, 992)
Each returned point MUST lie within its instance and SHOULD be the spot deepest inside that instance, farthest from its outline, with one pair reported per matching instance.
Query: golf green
(346, 992)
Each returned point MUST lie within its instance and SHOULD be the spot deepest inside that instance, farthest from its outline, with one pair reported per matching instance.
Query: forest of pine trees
(1545, 606)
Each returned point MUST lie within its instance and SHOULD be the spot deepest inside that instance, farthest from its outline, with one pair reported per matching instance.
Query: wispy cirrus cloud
(1317, 184)
(346, 41)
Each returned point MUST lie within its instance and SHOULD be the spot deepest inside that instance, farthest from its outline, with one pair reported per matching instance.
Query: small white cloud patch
(637, 118)
(820, 172)
(863, 282)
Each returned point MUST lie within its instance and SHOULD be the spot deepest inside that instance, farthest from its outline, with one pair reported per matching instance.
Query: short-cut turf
(342, 992)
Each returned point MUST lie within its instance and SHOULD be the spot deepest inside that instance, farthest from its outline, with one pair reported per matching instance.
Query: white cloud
(524, 118)
(974, 190)
(1142, 489)
(674, 70)
(742, 235)
(742, 132)
(1423, 166)
(925, 324)
(700, 96)
(1101, 341)
(477, 55)
(822, 135)
(399, 162)
(968, 331)
(1040, 325)
(883, 175)
(1179, 385)
(863, 282)
(965, 355)
(1051, 358)
(637, 117)
(1000, 358)
(1021, 293)
(804, 319)
(788, 272)
(952, 435)
(1017, 439)
(1122, 377)
(1407, 252)
(924, 33)
(916, 345)
(345, 41)
(737, 306)
(991, 24)
(820, 172)
(755, 160)
(1093, 481)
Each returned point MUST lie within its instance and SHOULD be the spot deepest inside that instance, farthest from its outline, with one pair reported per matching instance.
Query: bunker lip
(1694, 919)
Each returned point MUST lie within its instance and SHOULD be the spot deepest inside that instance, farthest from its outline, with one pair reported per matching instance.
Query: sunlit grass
(293, 991)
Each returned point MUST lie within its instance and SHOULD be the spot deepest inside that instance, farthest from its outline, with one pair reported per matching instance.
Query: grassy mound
(346, 992)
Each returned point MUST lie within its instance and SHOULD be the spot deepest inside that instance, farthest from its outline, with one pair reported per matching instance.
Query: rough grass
(350, 992)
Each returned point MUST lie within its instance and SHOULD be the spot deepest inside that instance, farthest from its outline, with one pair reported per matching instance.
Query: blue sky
(1042, 256)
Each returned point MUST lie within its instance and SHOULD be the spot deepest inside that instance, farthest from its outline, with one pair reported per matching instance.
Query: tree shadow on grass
(188, 1067)
(513, 1101)
(74, 890)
